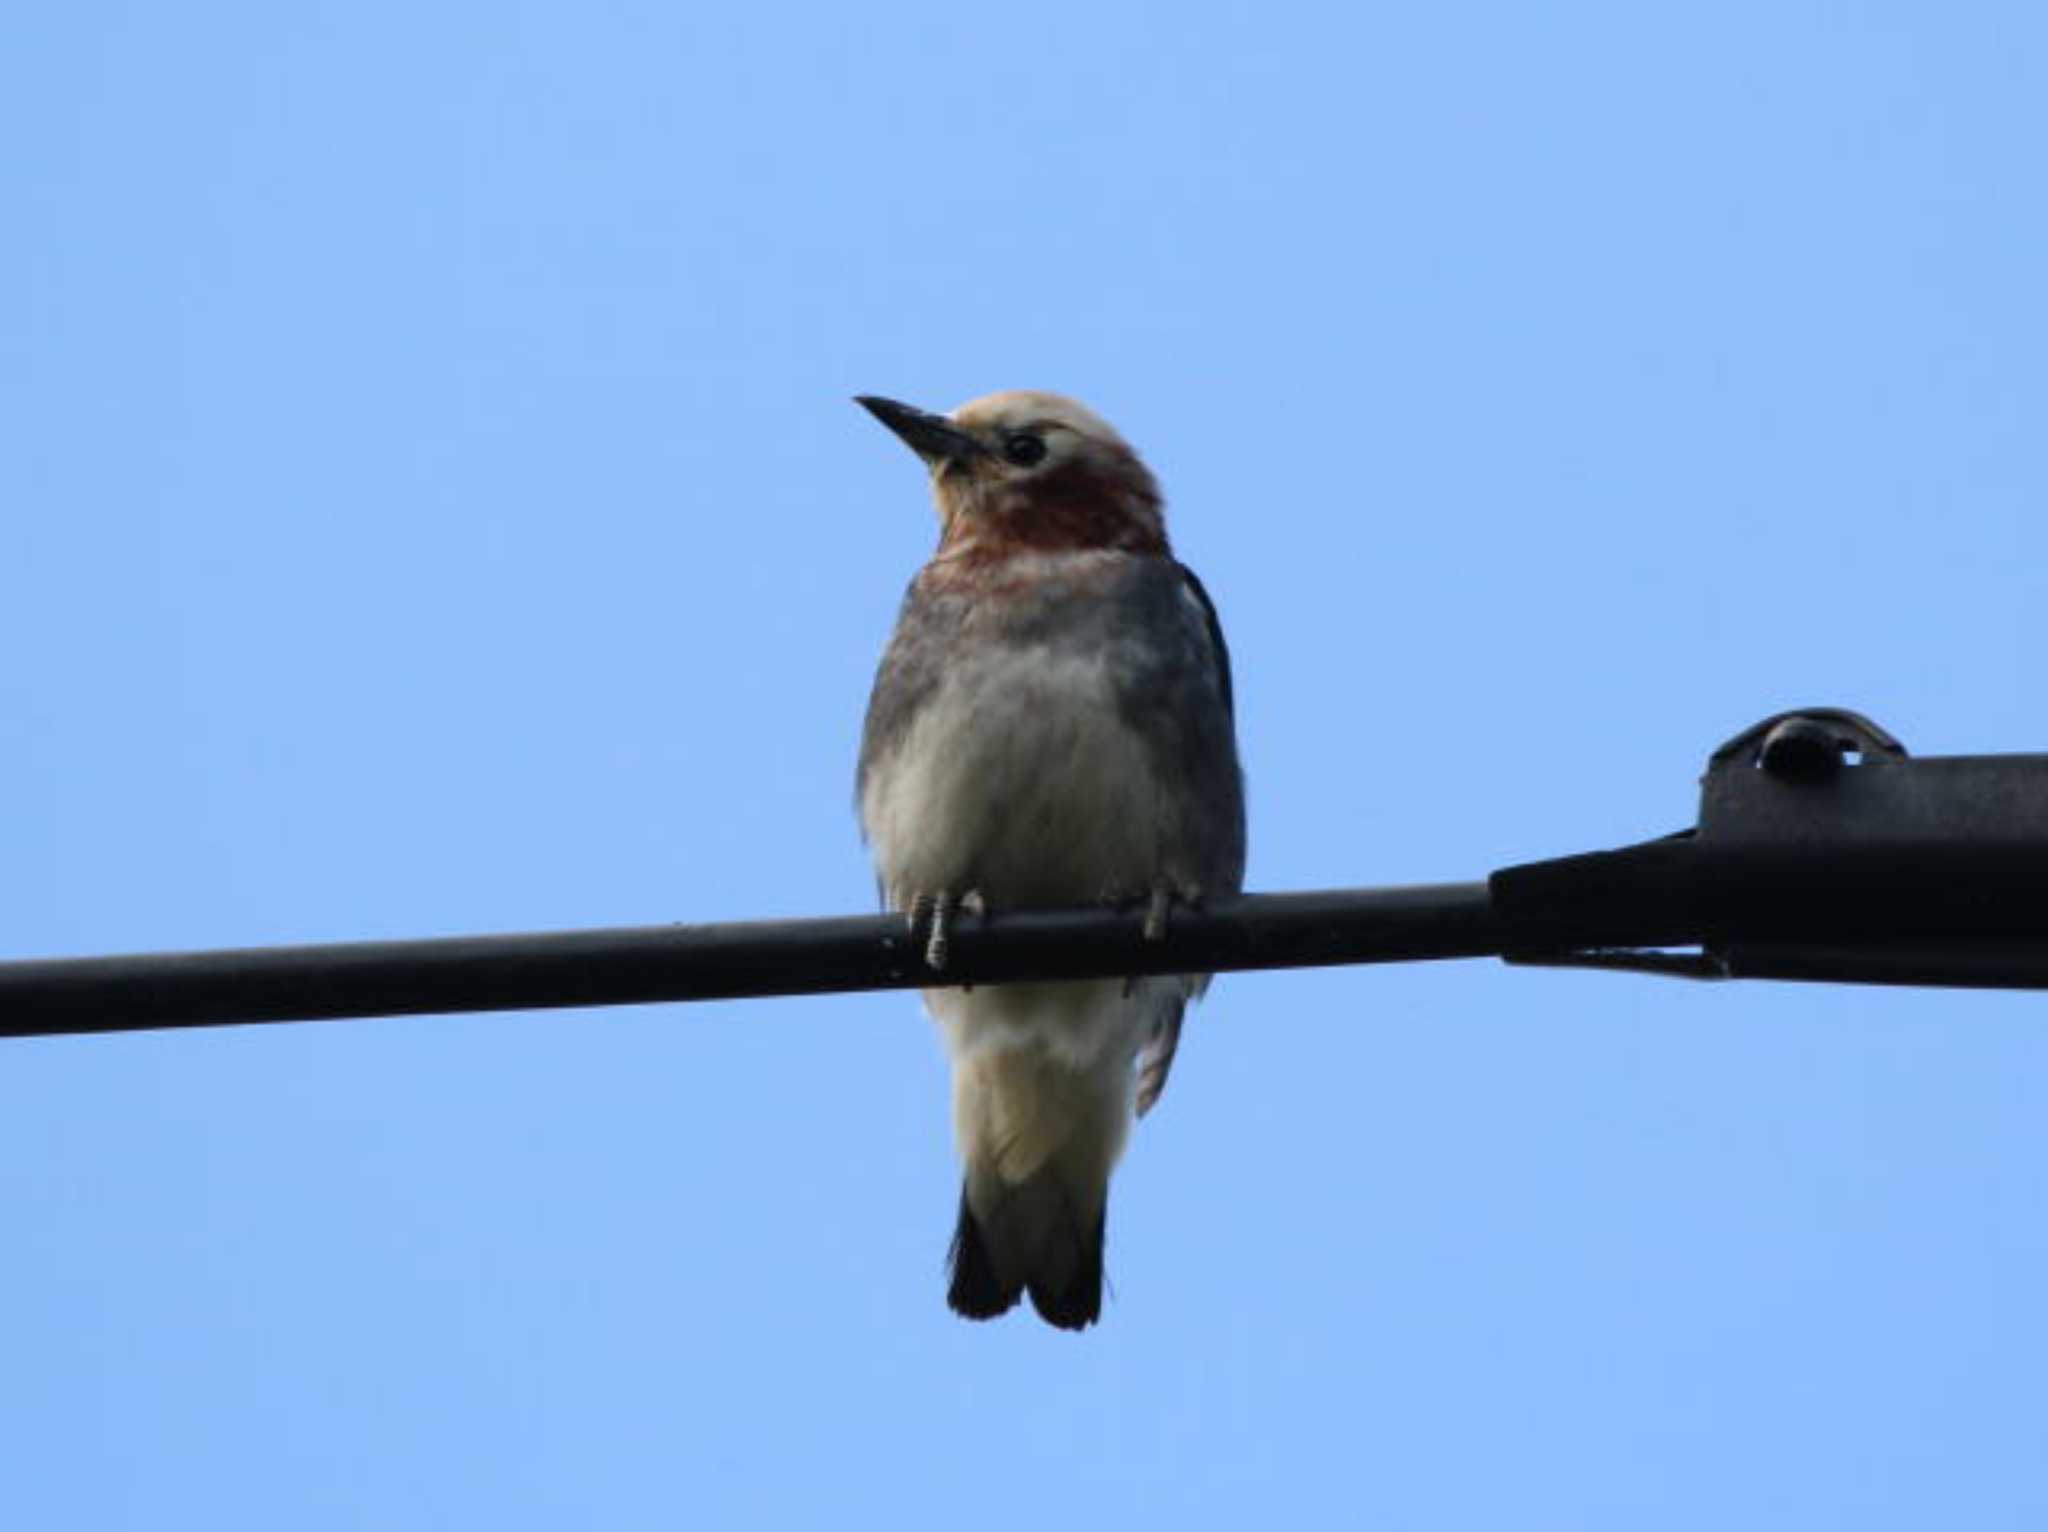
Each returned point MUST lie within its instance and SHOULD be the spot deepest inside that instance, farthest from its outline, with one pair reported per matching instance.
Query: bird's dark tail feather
(1064, 1280)
(976, 1292)
(1075, 1303)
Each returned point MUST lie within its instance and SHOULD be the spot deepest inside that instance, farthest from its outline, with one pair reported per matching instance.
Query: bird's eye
(1024, 449)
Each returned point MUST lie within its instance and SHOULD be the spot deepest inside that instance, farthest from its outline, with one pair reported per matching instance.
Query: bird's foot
(1165, 893)
(931, 916)
(1159, 907)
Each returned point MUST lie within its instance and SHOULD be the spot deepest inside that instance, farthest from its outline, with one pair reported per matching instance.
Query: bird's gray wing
(1162, 1042)
(905, 681)
(1201, 595)
(1155, 1058)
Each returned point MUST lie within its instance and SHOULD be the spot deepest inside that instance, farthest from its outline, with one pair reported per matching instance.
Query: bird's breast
(1020, 777)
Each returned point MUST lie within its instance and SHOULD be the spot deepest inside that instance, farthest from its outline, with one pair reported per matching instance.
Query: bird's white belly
(1020, 780)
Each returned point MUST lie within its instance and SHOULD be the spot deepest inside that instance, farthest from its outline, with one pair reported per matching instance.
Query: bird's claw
(930, 916)
(1159, 907)
(1156, 911)
(939, 943)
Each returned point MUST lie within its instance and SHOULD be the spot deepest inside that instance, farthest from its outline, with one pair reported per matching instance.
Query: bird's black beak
(932, 437)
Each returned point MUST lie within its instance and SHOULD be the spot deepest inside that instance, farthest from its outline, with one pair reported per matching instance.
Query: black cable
(630, 965)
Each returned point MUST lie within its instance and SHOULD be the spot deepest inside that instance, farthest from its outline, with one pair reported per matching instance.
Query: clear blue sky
(432, 504)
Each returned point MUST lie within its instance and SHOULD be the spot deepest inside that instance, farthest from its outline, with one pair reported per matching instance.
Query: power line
(630, 965)
(1922, 871)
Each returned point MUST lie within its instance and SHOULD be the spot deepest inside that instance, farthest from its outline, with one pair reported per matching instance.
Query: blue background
(430, 504)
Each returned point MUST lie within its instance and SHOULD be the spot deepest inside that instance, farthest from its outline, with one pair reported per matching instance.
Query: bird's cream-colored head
(1030, 470)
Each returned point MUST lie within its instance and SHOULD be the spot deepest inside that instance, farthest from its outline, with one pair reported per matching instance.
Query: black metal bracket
(1823, 851)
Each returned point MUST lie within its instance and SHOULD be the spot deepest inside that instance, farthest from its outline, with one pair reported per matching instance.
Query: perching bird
(1051, 725)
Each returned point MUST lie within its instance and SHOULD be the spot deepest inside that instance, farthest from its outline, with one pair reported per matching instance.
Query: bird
(1052, 723)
